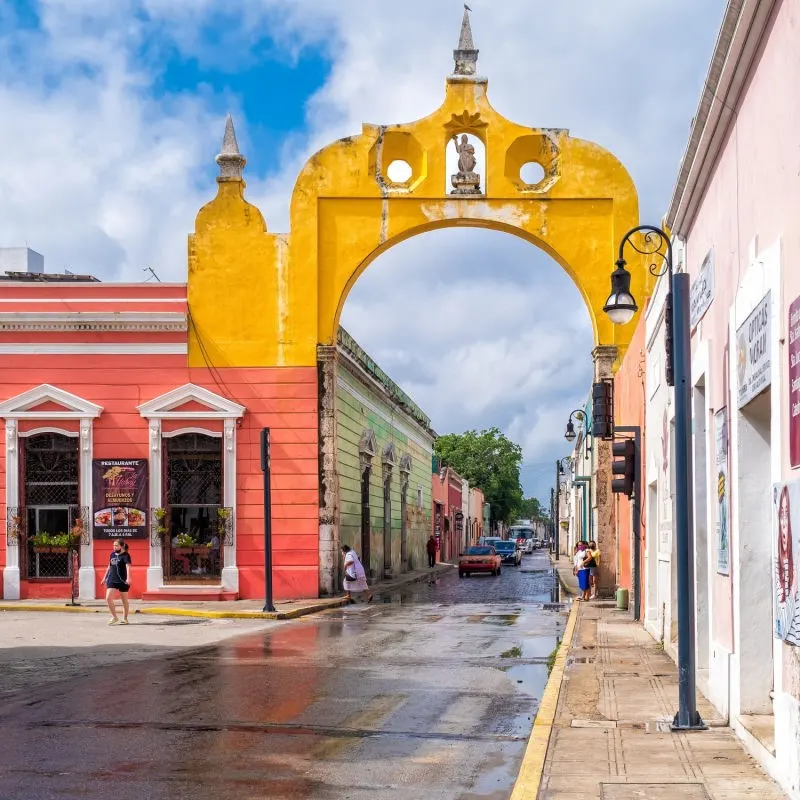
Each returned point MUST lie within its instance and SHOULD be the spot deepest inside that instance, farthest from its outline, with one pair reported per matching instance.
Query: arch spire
(231, 161)
(466, 54)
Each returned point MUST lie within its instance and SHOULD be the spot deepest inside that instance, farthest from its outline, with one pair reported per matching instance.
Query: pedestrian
(581, 570)
(355, 579)
(118, 581)
(593, 562)
(431, 548)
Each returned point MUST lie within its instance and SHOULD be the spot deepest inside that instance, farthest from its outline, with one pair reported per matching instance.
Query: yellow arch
(261, 299)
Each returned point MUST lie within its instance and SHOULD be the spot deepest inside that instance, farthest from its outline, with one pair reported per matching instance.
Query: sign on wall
(723, 494)
(753, 351)
(702, 291)
(120, 498)
(794, 383)
(786, 568)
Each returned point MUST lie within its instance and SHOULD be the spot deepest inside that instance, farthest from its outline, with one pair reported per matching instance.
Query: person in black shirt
(118, 581)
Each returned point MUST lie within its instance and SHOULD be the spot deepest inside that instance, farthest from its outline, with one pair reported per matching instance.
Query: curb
(168, 611)
(529, 778)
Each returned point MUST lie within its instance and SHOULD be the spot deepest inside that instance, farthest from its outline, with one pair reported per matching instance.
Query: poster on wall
(786, 569)
(702, 291)
(753, 352)
(120, 498)
(723, 497)
(794, 383)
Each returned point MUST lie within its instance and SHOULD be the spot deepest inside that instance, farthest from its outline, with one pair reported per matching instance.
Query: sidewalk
(603, 724)
(563, 568)
(234, 609)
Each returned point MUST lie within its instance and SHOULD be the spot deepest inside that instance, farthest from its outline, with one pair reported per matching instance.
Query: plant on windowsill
(161, 518)
(185, 540)
(44, 542)
(223, 523)
(76, 533)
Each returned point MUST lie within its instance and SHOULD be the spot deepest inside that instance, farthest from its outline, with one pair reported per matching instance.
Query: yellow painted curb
(65, 607)
(169, 611)
(530, 773)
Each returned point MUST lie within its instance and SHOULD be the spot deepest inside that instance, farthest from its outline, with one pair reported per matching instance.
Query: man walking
(431, 549)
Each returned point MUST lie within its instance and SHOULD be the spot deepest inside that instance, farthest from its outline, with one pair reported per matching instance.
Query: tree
(488, 460)
(531, 508)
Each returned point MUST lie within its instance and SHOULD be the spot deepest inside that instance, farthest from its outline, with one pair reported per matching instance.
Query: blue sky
(112, 113)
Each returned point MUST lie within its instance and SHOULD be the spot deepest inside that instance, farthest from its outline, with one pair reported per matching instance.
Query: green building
(384, 451)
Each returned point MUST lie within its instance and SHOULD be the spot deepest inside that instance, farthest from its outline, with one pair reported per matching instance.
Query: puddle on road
(494, 619)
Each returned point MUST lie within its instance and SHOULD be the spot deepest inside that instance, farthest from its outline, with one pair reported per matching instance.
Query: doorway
(754, 551)
(366, 528)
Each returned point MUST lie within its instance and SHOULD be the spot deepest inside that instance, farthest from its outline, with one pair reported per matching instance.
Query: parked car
(489, 541)
(480, 558)
(509, 552)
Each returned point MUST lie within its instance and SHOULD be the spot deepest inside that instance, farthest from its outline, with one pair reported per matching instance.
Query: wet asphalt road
(429, 693)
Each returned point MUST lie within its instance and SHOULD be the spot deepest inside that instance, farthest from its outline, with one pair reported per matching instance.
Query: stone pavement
(610, 734)
(215, 609)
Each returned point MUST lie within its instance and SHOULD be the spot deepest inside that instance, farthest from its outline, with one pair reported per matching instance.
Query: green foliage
(185, 540)
(44, 539)
(530, 508)
(488, 460)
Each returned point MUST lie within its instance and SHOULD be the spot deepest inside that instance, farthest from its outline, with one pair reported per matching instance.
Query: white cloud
(105, 174)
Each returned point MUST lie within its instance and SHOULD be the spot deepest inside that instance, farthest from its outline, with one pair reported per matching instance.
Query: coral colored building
(94, 371)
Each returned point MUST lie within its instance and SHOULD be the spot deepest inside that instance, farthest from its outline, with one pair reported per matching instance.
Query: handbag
(350, 576)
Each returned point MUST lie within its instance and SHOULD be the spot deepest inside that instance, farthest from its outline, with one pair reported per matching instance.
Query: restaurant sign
(753, 352)
(120, 498)
(702, 291)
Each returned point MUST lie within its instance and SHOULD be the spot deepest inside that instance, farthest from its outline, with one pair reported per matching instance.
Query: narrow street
(430, 692)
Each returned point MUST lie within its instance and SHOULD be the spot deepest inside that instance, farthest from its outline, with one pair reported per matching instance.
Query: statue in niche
(466, 180)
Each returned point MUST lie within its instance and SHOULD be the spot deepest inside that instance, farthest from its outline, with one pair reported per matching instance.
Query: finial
(466, 56)
(231, 161)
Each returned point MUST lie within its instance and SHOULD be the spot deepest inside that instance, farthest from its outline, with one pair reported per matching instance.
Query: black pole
(687, 717)
(556, 530)
(265, 468)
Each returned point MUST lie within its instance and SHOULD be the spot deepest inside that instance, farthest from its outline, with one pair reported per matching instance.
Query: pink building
(734, 213)
(109, 433)
(448, 514)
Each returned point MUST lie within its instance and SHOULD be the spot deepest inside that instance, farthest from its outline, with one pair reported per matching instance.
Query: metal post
(557, 515)
(687, 717)
(265, 468)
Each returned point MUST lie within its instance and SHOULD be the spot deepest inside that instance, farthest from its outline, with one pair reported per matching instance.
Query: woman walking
(355, 579)
(118, 582)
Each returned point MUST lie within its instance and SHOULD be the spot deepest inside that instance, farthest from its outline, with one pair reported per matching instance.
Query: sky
(111, 114)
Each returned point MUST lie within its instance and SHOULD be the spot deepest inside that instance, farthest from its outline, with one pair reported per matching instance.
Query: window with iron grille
(51, 487)
(194, 499)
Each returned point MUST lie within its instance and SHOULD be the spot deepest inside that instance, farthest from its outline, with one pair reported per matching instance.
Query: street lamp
(620, 307)
(570, 434)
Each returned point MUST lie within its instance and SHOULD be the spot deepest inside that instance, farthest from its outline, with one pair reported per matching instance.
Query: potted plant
(185, 544)
(76, 533)
(223, 523)
(44, 542)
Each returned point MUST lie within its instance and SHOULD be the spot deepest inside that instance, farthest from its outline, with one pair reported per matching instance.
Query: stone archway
(346, 210)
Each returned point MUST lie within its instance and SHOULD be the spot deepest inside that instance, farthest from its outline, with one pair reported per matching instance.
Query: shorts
(120, 587)
(592, 571)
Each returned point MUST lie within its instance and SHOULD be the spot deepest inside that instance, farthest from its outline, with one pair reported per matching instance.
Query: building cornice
(80, 321)
(743, 28)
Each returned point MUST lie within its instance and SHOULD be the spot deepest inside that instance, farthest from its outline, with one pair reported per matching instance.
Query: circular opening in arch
(532, 173)
(399, 171)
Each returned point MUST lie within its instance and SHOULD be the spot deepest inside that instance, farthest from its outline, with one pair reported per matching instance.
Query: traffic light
(603, 409)
(624, 465)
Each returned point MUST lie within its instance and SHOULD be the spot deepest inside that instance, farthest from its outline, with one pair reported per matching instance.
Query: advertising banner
(702, 291)
(723, 494)
(786, 550)
(794, 383)
(753, 352)
(120, 498)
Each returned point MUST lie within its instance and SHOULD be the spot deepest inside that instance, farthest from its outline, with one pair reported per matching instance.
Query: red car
(479, 559)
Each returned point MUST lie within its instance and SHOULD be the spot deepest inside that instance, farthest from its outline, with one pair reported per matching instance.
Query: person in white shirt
(355, 578)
